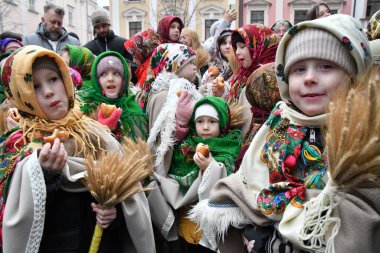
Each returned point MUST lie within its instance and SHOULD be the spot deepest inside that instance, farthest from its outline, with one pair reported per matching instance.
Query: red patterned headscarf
(262, 45)
(163, 28)
(141, 46)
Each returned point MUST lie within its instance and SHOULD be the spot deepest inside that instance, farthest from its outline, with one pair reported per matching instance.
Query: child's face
(185, 39)
(243, 54)
(50, 93)
(174, 31)
(136, 61)
(312, 83)
(189, 71)
(111, 82)
(66, 56)
(207, 127)
(280, 32)
(225, 47)
(323, 11)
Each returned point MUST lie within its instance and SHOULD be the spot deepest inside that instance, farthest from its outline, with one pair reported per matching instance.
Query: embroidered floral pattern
(294, 165)
(347, 43)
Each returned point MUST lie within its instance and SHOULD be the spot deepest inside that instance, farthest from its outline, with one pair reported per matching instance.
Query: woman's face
(225, 47)
(185, 39)
(323, 11)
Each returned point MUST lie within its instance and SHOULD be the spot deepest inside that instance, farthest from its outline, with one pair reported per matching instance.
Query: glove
(112, 120)
(184, 109)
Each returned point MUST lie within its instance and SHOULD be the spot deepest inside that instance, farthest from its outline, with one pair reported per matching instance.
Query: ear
(42, 19)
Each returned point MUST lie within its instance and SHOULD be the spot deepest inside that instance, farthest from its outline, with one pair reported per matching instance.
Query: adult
(318, 10)
(50, 33)
(106, 40)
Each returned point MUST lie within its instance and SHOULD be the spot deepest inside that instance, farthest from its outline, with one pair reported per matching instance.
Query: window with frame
(333, 12)
(299, 16)
(70, 11)
(134, 27)
(372, 7)
(257, 17)
(208, 24)
(32, 5)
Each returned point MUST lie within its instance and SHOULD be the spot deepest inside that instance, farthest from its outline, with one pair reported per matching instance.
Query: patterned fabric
(166, 58)
(216, 57)
(263, 94)
(6, 41)
(224, 148)
(300, 164)
(81, 60)
(18, 143)
(76, 78)
(347, 29)
(92, 97)
(141, 46)
(262, 44)
(373, 27)
(163, 28)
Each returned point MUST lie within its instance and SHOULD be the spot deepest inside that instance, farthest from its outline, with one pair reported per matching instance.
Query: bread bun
(13, 113)
(179, 92)
(220, 82)
(203, 149)
(61, 135)
(213, 71)
(107, 110)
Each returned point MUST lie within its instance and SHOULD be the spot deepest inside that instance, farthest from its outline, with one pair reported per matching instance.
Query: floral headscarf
(262, 44)
(167, 57)
(164, 26)
(373, 28)
(141, 46)
(81, 59)
(92, 96)
(216, 56)
(21, 141)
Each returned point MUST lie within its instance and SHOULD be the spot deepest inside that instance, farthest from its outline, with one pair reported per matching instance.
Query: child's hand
(53, 159)
(230, 15)
(11, 123)
(201, 161)
(216, 90)
(112, 120)
(104, 217)
(184, 108)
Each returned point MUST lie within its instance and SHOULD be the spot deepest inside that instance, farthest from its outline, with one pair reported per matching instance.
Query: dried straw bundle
(237, 115)
(115, 176)
(353, 137)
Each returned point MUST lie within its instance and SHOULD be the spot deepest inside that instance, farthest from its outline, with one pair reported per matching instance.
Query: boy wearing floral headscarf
(45, 179)
(285, 162)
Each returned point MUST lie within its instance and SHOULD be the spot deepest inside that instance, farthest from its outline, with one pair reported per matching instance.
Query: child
(45, 179)
(220, 59)
(191, 174)
(80, 59)
(141, 46)
(286, 157)
(109, 85)
(281, 27)
(172, 69)
(169, 29)
(253, 46)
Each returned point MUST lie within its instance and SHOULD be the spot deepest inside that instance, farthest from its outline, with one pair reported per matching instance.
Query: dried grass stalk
(353, 137)
(115, 176)
(237, 118)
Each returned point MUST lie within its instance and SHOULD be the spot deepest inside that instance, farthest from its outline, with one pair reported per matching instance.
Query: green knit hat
(221, 107)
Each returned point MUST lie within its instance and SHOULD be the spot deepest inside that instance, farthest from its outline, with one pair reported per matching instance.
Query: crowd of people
(241, 131)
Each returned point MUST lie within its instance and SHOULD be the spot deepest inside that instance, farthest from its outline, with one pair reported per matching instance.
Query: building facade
(131, 16)
(23, 16)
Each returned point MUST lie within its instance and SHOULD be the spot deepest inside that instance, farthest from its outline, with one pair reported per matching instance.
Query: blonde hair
(195, 42)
